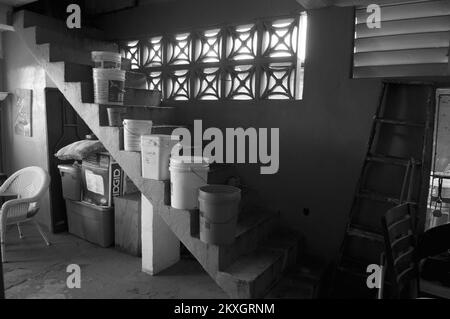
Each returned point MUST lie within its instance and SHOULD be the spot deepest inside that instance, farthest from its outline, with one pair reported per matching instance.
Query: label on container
(107, 65)
(116, 91)
(94, 183)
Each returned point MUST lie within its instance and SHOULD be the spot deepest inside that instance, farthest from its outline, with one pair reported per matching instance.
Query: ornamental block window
(262, 60)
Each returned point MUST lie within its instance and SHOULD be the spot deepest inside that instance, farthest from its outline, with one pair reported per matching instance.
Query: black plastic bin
(91, 222)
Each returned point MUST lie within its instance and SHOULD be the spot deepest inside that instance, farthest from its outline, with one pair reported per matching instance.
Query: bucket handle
(199, 176)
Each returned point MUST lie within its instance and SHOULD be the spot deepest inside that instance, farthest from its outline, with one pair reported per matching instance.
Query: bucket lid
(189, 161)
(219, 193)
(138, 122)
(69, 169)
(160, 137)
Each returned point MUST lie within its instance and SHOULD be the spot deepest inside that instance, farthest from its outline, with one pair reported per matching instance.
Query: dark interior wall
(322, 138)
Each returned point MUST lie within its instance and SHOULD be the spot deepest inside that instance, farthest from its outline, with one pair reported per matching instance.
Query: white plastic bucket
(187, 175)
(132, 132)
(109, 86)
(106, 60)
(156, 150)
(219, 210)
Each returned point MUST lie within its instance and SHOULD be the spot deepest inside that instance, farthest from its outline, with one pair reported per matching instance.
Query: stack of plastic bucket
(187, 175)
(156, 151)
(132, 132)
(219, 210)
(109, 79)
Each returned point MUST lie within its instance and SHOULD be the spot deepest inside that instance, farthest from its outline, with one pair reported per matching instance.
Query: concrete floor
(34, 270)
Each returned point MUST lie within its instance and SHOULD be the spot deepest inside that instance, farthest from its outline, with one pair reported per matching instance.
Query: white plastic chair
(29, 185)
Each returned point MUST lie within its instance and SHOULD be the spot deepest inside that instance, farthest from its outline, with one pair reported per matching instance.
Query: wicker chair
(27, 185)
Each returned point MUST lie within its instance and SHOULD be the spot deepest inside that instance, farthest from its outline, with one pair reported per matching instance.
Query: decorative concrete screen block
(160, 247)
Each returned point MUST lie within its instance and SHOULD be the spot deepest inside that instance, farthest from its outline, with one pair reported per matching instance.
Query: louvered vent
(413, 41)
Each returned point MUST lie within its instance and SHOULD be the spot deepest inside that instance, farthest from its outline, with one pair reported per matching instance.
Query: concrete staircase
(246, 269)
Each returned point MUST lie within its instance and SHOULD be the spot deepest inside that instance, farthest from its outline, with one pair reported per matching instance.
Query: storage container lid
(69, 169)
(189, 161)
(160, 137)
(219, 193)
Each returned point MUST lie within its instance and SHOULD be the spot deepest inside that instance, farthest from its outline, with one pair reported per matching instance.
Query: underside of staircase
(250, 266)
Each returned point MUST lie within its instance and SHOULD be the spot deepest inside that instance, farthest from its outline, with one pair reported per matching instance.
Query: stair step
(362, 232)
(133, 97)
(252, 230)
(398, 122)
(77, 72)
(61, 53)
(142, 97)
(289, 243)
(135, 80)
(32, 19)
(87, 92)
(303, 281)
(253, 275)
(44, 35)
(165, 129)
(387, 159)
(159, 115)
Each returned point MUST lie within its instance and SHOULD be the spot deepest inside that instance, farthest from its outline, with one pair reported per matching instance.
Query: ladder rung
(358, 231)
(378, 197)
(394, 160)
(398, 122)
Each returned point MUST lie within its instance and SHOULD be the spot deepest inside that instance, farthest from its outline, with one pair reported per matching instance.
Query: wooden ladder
(384, 169)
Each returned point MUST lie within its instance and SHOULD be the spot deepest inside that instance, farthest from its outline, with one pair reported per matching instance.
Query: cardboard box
(102, 178)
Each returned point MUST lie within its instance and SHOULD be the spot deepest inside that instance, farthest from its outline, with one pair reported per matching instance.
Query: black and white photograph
(225, 158)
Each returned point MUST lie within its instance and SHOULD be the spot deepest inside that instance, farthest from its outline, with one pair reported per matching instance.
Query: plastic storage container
(71, 181)
(156, 150)
(219, 210)
(187, 175)
(90, 222)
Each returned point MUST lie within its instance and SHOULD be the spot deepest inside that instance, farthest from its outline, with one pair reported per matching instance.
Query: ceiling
(15, 3)
(316, 4)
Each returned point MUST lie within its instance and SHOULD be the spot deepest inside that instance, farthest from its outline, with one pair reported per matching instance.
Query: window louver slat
(408, 11)
(413, 41)
(416, 70)
(400, 57)
(420, 25)
(403, 42)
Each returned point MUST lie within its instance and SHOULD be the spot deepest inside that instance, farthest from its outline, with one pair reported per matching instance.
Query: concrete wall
(21, 71)
(322, 138)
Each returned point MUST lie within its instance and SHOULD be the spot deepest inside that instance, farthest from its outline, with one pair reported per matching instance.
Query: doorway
(438, 212)
(64, 127)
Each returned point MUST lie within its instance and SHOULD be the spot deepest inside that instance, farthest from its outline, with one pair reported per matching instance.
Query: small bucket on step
(109, 86)
(132, 132)
(219, 210)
